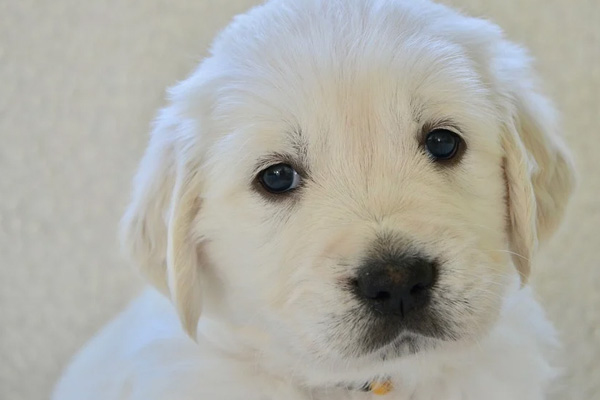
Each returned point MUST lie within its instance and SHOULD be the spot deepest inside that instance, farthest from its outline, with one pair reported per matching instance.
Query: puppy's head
(356, 179)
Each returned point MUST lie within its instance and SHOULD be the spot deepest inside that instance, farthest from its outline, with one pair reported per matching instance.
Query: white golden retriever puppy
(341, 202)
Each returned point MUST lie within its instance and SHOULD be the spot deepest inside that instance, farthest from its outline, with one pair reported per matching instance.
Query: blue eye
(279, 178)
(442, 144)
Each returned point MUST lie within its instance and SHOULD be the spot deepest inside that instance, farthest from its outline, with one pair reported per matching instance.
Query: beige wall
(79, 82)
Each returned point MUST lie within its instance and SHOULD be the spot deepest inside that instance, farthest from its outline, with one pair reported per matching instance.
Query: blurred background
(80, 82)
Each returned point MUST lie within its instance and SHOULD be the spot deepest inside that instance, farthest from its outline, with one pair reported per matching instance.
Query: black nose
(396, 286)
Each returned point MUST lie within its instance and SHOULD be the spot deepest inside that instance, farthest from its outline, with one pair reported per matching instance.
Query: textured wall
(80, 81)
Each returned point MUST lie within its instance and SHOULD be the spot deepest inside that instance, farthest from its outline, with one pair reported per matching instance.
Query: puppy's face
(357, 213)
(345, 180)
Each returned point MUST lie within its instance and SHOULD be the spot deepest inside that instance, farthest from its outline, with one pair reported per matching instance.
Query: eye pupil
(279, 178)
(442, 144)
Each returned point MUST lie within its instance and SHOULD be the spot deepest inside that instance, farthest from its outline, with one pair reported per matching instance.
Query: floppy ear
(156, 229)
(538, 172)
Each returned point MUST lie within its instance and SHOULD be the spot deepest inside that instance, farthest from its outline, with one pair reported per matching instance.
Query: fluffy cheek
(269, 273)
(475, 267)
(308, 287)
(238, 246)
(469, 293)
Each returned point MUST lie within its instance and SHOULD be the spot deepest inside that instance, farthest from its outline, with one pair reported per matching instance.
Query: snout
(397, 293)
(395, 285)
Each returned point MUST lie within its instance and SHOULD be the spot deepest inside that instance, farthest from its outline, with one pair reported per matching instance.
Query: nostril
(371, 288)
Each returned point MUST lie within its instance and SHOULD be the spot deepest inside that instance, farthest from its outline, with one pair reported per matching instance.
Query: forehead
(346, 76)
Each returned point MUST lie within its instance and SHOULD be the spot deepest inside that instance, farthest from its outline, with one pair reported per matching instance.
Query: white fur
(346, 89)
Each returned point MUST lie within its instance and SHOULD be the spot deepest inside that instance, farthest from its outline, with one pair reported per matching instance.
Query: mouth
(404, 345)
(398, 334)
(385, 336)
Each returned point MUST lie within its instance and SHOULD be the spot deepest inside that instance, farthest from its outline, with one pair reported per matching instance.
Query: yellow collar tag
(381, 388)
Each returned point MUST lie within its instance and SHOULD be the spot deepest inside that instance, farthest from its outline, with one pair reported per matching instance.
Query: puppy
(341, 202)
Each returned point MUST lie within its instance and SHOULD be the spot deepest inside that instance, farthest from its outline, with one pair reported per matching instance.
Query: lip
(405, 344)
